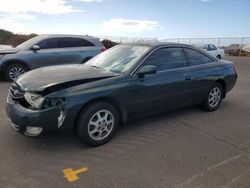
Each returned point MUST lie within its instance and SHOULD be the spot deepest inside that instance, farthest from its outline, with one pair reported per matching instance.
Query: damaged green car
(125, 82)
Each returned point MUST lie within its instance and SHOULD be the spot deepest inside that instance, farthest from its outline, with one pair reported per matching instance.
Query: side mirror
(35, 47)
(148, 69)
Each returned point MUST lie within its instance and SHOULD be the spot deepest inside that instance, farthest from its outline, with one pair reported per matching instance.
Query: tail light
(234, 67)
(103, 49)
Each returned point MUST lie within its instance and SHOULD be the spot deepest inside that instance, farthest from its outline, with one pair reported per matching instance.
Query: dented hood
(47, 77)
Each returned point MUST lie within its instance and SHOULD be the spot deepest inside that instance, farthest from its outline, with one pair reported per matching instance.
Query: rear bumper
(231, 82)
(1, 71)
(21, 117)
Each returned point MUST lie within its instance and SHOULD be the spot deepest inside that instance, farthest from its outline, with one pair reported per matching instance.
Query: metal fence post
(218, 42)
(241, 43)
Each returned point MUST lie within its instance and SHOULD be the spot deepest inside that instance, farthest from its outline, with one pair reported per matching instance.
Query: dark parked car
(125, 82)
(47, 50)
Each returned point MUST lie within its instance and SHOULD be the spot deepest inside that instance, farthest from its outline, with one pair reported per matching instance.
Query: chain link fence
(129, 39)
(236, 46)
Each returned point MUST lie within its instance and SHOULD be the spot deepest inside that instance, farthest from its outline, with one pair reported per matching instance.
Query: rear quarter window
(196, 58)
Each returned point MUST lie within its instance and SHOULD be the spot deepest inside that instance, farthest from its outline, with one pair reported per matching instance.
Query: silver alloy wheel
(15, 72)
(214, 97)
(101, 125)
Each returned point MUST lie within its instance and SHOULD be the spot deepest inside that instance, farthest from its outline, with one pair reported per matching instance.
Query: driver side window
(167, 58)
(205, 47)
(48, 43)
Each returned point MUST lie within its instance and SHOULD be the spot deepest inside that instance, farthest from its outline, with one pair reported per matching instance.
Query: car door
(46, 55)
(166, 89)
(204, 71)
(75, 50)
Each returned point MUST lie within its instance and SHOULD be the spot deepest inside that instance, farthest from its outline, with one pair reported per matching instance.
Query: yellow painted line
(72, 175)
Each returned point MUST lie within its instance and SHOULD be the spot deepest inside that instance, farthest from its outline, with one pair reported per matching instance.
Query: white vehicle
(2, 46)
(213, 50)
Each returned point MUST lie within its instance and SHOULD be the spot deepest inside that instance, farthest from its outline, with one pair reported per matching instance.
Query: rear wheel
(13, 71)
(214, 98)
(219, 56)
(98, 123)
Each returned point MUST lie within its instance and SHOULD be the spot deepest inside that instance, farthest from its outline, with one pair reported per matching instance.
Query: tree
(108, 43)
(5, 35)
(9, 38)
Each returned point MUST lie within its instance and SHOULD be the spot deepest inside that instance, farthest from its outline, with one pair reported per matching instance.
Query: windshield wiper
(102, 68)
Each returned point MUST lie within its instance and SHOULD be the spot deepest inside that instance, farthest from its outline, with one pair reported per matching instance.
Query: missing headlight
(35, 100)
(63, 111)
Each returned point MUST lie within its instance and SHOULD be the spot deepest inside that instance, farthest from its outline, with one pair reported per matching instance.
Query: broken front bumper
(25, 120)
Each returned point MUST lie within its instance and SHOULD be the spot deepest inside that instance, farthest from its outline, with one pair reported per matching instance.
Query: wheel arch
(224, 86)
(12, 61)
(121, 110)
(7, 63)
(219, 56)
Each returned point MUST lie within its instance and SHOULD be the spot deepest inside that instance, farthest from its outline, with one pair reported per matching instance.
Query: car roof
(67, 35)
(158, 44)
(94, 40)
(154, 45)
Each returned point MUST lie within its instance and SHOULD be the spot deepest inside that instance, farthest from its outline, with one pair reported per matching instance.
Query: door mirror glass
(148, 69)
(35, 47)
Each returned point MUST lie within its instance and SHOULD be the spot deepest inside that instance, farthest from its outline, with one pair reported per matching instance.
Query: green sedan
(125, 82)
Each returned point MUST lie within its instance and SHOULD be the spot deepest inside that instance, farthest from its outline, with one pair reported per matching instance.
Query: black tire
(218, 56)
(86, 115)
(10, 67)
(207, 105)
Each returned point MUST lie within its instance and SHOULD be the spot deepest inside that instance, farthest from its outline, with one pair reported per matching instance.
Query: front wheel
(98, 123)
(13, 71)
(214, 98)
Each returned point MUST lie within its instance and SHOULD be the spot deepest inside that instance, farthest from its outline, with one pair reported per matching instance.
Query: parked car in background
(2, 46)
(120, 84)
(47, 50)
(214, 51)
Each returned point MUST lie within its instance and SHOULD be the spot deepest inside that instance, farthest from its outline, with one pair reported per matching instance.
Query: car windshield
(119, 58)
(29, 43)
